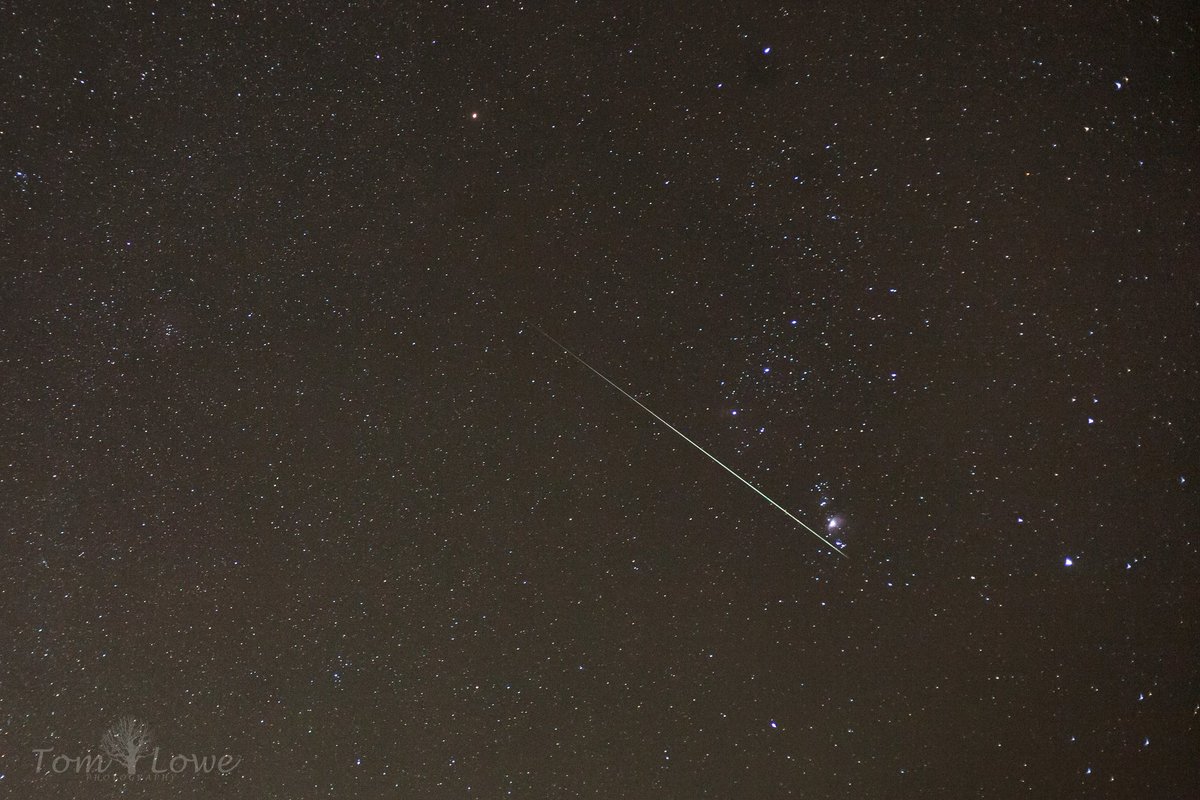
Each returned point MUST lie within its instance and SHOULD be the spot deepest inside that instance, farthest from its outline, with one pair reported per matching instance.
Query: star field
(287, 473)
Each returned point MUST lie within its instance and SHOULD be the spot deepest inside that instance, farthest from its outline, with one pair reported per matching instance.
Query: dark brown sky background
(285, 473)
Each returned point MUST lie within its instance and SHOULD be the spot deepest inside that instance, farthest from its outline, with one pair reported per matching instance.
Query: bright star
(1068, 561)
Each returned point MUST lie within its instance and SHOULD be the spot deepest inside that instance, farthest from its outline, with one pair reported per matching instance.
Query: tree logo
(125, 742)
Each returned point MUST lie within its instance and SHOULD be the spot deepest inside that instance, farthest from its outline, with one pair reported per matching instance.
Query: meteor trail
(602, 377)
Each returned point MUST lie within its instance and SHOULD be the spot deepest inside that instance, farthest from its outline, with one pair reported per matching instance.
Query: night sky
(286, 471)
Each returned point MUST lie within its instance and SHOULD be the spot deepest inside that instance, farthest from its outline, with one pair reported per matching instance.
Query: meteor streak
(681, 435)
